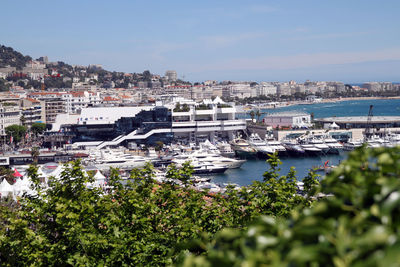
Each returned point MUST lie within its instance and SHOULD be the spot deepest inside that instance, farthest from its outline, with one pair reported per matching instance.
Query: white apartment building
(9, 115)
(265, 88)
(240, 90)
(76, 101)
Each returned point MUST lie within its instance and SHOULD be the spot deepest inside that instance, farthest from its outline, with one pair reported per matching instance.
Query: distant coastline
(328, 100)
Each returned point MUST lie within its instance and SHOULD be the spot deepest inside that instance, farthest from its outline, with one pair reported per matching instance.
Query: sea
(253, 170)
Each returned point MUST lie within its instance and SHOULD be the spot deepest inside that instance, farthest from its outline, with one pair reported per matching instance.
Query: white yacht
(318, 143)
(225, 149)
(352, 144)
(200, 167)
(277, 146)
(117, 159)
(334, 146)
(242, 148)
(293, 148)
(209, 158)
(261, 146)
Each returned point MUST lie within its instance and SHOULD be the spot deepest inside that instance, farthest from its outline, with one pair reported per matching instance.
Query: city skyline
(352, 42)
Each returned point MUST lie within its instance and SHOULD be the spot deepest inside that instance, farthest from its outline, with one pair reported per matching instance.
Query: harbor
(221, 161)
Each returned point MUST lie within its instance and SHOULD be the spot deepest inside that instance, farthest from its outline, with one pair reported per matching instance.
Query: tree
(16, 131)
(258, 115)
(140, 223)
(7, 174)
(38, 128)
(355, 224)
(35, 154)
(146, 75)
(3, 85)
(252, 115)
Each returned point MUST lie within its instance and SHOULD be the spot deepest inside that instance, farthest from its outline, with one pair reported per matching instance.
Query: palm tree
(252, 114)
(258, 114)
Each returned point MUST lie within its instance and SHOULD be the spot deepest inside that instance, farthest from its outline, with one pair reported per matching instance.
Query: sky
(351, 40)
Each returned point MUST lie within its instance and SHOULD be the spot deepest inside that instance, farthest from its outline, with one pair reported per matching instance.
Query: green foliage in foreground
(357, 226)
(139, 224)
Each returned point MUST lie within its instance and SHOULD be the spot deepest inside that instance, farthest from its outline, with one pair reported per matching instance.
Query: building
(288, 119)
(52, 102)
(9, 115)
(32, 111)
(53, 107)
(75, 101)
(171, 75)
(377, 122)
(372, 86)
(115, 126)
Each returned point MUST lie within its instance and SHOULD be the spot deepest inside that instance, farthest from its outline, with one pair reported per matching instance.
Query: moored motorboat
(243, 149)
(261, 146)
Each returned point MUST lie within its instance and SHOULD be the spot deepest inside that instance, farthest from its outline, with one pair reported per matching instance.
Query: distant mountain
(12, 58)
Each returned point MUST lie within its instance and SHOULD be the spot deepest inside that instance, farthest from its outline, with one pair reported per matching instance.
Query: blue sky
(351, 41)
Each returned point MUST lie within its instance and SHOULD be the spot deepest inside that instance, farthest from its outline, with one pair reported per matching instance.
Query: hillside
(12, 58)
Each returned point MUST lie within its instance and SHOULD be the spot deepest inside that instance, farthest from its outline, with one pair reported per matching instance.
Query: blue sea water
(382, 107)
(253, 169)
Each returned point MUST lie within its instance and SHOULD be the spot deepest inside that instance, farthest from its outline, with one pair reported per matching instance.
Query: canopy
(334, 126)
(6, 189)
(21, 186)
(99, 176)
(16, 173)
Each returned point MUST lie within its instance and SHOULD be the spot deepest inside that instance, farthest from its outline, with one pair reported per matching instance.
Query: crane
(368, 130)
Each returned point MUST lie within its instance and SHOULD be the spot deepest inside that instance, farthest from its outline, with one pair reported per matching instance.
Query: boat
(293, 148)
(217, 159)
(261, 146)
(352, 144)
(334, 146)
(311, 150)
(202, 168)
(117, 159)
(225, 149)
(208, 157)
(242, 148)
(277, 147)
(318, 143)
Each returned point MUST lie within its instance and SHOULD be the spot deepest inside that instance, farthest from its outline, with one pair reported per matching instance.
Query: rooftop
(288, 113)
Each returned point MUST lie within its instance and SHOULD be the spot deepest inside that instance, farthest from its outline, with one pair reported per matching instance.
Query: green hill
(10, 57)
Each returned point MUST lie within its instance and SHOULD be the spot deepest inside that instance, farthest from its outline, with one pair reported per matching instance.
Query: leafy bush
(141, 223)
(357, 225)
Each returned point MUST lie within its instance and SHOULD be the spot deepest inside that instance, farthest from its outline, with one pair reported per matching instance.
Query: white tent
(6, 189)
(218, 100)
(99, 176)
(334, 126)
(22, 186)
(99, 180)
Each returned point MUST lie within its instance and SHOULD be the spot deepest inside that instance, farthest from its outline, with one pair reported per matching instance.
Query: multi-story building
(372, 86)
(114, 126)
(52, 103)
(53, 107)
(283, 89)
(265, 88)
(171, 75)
(75, 101)
(9, 115)
(32, 111)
